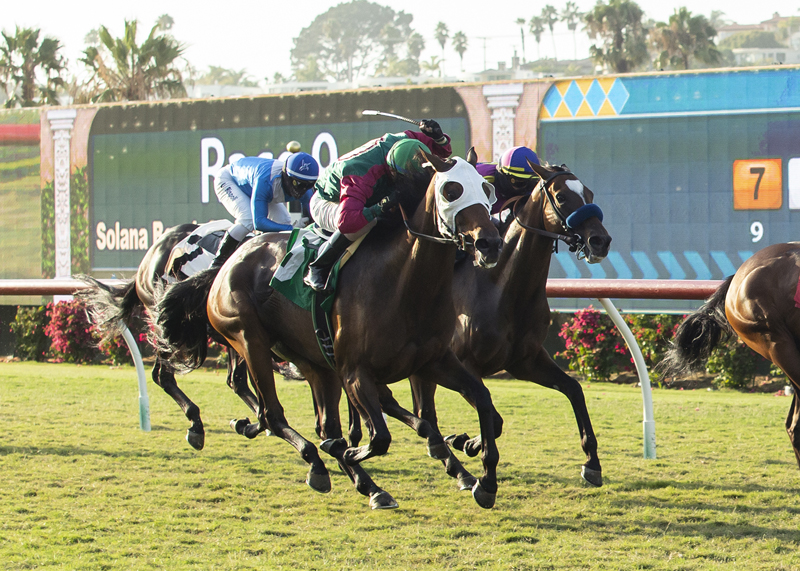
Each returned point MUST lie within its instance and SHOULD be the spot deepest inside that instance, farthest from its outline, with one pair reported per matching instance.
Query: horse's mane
(409, 190)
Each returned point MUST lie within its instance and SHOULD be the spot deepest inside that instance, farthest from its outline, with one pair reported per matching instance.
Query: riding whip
(393, 116)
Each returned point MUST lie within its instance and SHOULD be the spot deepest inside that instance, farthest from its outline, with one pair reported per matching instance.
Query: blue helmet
(302, 166)
(514, 162)
(302, 171)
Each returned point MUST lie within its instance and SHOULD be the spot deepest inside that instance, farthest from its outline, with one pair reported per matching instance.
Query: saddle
(301, 250)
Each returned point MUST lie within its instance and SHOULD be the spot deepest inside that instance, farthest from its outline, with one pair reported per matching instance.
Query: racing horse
(392, 316)
(112, 307)
(759, 303)
(504, 310)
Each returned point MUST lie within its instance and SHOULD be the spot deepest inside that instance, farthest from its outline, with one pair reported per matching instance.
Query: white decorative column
(503, 100)
(61, 124)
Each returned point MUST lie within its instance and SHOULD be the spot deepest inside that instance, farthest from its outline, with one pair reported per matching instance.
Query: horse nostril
(599, 242)
(488, 245)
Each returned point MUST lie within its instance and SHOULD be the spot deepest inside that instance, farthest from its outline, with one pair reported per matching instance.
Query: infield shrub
(32, 344)
(734, 364)
(72, 338)
(594, 347)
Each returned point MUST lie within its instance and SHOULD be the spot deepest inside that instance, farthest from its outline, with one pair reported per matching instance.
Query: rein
(462, 241)
(573, 240)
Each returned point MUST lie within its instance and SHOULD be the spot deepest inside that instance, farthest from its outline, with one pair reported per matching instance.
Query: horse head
(462, 201)
(569, 209)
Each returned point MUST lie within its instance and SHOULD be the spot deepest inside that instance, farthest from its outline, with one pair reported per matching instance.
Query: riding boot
(227, 246)
(328, 254)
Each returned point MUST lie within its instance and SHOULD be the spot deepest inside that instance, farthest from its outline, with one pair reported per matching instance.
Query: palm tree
(571, 16)
(441, 33)
(135, 72)
(433, 65)
(30, 70)
(550, 17)
(536, 26)
(521, 23)
(683, 39)
(460, 45)
(619, 26)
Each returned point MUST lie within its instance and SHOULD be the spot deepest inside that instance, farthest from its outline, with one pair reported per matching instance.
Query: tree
(683, 39)
(442, 34)
(536, 25)
(123, 70)
(521, 23)
(571, 16)
(352, 39)
(460, 46)
(550, 17)
(222, 76)
(30, 70)
(433, 65)
(751, 39)
(623, 37)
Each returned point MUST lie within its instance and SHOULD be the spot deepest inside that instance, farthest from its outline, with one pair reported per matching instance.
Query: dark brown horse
(393, 316)
(112, 307)
(504, 310)
(758, 304)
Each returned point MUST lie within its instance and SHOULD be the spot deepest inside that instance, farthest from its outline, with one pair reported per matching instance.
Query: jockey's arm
(443, 151)
(259, 204)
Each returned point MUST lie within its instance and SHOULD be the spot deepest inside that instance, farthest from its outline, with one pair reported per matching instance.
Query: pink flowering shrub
(71, 334)
(594, 347)
(654, 333)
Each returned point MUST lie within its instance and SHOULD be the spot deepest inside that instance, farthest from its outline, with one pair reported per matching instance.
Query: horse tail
(110, 308)
(698, 335)
(180, 320)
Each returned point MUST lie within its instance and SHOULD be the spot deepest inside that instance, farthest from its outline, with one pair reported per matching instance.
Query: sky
(258, 36)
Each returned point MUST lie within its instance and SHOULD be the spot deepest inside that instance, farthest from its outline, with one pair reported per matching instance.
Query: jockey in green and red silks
(349, 192)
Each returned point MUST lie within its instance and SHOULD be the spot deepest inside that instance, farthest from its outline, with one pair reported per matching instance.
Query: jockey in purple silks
(352, 191)
(511, 176)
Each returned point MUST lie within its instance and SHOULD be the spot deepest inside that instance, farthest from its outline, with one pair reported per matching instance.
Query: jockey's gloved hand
(433, 130)
(386, 205)
(301, 222)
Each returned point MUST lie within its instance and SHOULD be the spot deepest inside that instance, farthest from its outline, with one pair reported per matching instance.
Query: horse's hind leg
(237, 381)
(785, 354)
(437, 448)
(164, 377)
(542, 370)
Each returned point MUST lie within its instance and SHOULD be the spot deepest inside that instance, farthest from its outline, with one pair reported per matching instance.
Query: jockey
(248, 186)
(353, 190)
(511, 176)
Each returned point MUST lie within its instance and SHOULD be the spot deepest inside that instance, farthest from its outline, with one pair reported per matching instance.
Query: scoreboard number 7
(757, 184)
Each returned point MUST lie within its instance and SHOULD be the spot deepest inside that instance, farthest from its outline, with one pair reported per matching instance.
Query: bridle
(571, 238)
(461, 240)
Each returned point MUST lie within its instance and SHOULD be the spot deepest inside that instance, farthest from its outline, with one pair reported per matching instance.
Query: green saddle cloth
(301, 250)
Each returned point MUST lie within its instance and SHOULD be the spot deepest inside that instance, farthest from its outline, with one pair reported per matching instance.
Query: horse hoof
(482, 497)
(239, 425)
(334, 446)
(592, 477)
(439, 451)
(466, 482)
(319, 482)
(196, 439)
(382, 501)
(457, 441)
(250, 430)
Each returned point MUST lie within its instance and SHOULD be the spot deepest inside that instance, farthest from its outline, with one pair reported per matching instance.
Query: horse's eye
(452, 191)
(561, 197)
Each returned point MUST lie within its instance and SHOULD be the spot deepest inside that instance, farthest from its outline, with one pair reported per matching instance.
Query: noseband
(572, 239)
(461, 240)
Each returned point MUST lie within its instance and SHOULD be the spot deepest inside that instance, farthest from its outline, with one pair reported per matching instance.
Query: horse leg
(237, 381)
(785, 354)
(423, 394)
(437, 448)
(451, 374)
(164, 377)
(326, 391)
(542, 370)
(255, 348)
(354, 433)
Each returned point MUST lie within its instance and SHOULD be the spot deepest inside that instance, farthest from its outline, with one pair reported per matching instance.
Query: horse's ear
(539, 169)
(472, 156)
(438, 164)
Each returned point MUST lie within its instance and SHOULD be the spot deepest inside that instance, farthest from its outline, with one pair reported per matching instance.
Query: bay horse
(760, 304)
(112, 307)
(392, 316)
(504, 312)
